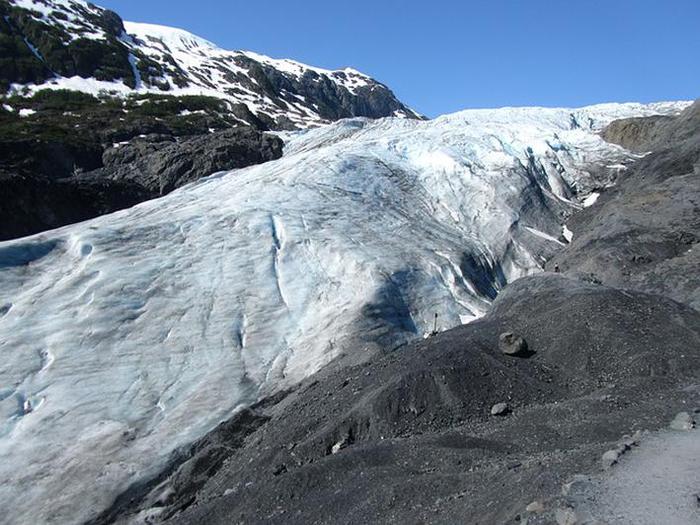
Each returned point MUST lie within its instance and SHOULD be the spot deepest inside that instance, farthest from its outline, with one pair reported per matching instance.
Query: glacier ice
(129, 335)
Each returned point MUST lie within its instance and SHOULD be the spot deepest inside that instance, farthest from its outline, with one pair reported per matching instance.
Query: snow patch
(567, 233)
(591, 199)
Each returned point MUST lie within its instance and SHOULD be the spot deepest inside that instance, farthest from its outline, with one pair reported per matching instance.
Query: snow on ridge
(171, 36)
(134, 333)
(184, 43)
(185, 59)
(71, 21)
(175, 38)
(204, 59)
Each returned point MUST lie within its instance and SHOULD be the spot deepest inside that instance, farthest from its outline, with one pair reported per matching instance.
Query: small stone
(340, 445)
(566, 517)
(576, 486)
(535, 507)
(512, 344)
(500, 409)
(610, 458)
(279, 469)
(683, 421)
(631, 441)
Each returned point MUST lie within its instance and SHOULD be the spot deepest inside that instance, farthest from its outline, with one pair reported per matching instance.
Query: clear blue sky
(441, 56)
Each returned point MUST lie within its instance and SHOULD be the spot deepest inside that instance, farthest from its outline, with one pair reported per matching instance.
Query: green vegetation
(63, 114)
(164, 106)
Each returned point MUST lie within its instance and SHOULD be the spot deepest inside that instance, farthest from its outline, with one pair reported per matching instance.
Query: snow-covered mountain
(129, 335)
(76, 45)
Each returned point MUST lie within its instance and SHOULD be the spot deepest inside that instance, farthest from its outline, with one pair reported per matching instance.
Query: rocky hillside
(644, 233)
(550, 409)
(99, 114)
(76, 45)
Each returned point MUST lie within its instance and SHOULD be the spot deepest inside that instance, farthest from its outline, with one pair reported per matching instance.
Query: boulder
(610, 458)
(683, 421)
(512, 344)
(536, 507)
(500, 409)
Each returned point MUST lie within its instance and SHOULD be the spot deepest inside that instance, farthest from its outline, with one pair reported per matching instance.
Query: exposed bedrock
(48, 193)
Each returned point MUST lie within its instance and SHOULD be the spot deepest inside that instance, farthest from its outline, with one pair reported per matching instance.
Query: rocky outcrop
(654, 133)
(56, 194)
(31, 204)
(161, 163)
(636, 134)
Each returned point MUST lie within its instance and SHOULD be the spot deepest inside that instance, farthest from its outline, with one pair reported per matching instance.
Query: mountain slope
(76, 45)
(130, 335)
(644, 233)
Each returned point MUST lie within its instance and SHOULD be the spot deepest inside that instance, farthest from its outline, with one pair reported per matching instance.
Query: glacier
(127, 336)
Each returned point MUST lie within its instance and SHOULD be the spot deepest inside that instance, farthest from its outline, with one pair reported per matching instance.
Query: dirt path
(657, 483)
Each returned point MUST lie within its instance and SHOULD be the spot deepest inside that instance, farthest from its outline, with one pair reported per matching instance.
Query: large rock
(683, 421)
(161, 164)
(500, 409)
(512, 344)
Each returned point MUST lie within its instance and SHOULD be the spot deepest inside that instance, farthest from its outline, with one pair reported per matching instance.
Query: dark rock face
(408, 436)
(636, 134)
(160, 165)
(54, 184)
(31, 204)
(655, 133)
(644, 233)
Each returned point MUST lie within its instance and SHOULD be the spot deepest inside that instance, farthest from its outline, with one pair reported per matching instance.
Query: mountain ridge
(72, 44)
